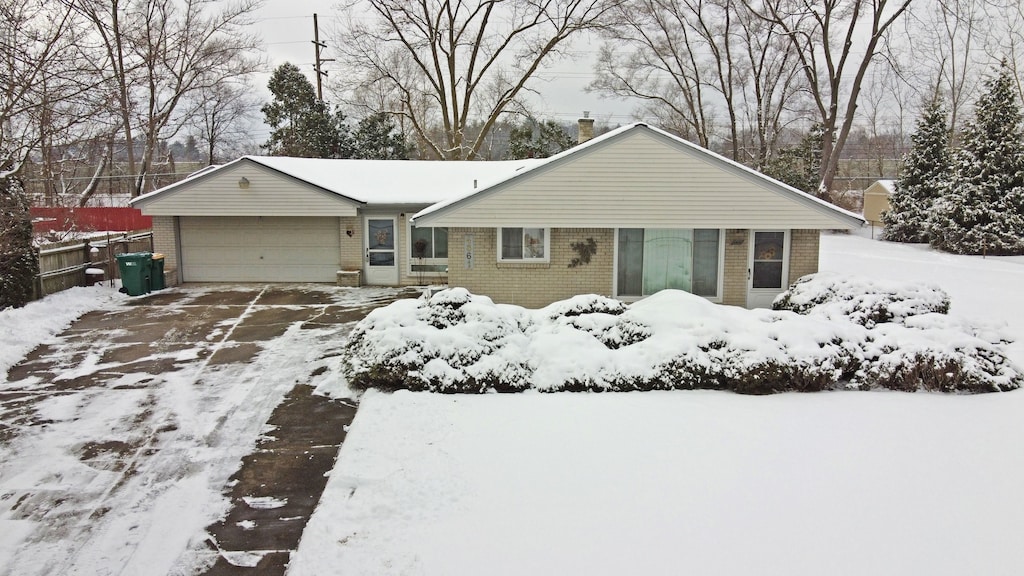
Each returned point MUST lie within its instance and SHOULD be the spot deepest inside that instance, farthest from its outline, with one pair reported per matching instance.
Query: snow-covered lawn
(694, 481)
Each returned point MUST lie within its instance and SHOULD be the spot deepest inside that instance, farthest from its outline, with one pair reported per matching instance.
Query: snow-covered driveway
(118, 436)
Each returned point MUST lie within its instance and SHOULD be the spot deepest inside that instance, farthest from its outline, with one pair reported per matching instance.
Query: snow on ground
(695, 481)
(124, 468)
(22, 329)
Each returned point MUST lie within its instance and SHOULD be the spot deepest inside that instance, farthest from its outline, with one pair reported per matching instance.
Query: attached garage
(248, 222)
(259, 248)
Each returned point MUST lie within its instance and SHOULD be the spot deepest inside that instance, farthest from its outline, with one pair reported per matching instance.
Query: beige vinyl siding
(259, 249)
(639, 181)
(269, 194)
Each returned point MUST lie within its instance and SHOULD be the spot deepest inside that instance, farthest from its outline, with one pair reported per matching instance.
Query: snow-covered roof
(395, 181)
(376, 182)
(888, 185)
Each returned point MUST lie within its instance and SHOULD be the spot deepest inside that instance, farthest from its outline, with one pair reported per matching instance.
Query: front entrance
(381, 263)
(768, 268)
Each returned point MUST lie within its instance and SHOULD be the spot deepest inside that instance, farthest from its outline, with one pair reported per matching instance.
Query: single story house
(876, 200)
(625, 214)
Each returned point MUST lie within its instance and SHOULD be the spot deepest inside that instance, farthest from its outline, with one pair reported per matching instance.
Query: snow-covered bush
(864, 301)
(460, 342)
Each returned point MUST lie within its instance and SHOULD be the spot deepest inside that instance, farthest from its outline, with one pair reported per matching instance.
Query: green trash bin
(135, 272)
(157, 272)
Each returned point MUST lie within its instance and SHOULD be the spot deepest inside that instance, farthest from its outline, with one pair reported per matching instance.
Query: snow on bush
(456, 341)
(864, 301)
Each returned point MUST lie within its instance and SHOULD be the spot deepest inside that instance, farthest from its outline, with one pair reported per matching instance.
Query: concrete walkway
(164, 390)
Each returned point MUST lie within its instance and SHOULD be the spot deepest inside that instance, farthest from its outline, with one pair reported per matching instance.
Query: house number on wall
(469, 252)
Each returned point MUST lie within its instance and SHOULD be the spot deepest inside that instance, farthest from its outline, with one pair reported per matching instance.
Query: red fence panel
(89, 219)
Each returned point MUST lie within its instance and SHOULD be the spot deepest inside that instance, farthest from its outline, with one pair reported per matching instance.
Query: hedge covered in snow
(864, 301)
(460, 342)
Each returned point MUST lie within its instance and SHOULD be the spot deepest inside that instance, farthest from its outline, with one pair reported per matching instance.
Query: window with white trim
(651, 259)
(428, 249)
(523, 244)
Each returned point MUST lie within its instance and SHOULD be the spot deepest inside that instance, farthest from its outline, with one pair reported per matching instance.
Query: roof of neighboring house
(382, 182)
(723, 163)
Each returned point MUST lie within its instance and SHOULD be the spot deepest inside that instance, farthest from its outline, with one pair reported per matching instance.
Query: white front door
(768, 267)
(381, 262)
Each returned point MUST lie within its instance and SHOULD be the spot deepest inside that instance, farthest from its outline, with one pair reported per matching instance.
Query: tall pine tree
(982, 210)
(19, 262)
(926, 169)
(376, 138)
(303, 125)
(533, 139)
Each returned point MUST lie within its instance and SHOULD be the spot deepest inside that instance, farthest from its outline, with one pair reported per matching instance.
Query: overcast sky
(287, 30)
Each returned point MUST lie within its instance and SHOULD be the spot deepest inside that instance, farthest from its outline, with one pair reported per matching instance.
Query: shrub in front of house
(864, 301)
(458, 342)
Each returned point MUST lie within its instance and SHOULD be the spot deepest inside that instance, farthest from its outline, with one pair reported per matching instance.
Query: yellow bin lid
(157, 256)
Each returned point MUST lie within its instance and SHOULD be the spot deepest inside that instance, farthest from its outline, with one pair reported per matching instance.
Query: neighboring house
(626, 214)
(876, 200)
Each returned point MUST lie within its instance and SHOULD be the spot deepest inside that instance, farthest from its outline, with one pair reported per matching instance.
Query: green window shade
(705, 262)
(631, 260)
(667, 260)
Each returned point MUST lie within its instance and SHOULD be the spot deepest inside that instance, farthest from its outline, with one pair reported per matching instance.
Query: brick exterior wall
(351, 246)
(803, 253)
(531, 284)
(737, 256)
(165, 242)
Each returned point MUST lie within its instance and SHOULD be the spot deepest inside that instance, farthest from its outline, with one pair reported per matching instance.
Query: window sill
(521, 265)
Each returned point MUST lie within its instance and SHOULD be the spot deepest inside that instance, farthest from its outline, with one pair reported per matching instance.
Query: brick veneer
(535, 285)
(165, 242)
(351, 246)
(531, 285)
(737, 254)
(803, 253)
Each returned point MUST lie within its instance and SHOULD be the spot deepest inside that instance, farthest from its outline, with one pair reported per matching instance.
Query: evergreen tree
(534, 139)
(926, 169)
(982, 210)
(800, 165)
(375, 138)
(19, 262)
(303, 125)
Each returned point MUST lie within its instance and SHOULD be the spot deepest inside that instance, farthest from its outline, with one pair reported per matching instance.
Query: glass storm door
(768, 267)
(381, 263)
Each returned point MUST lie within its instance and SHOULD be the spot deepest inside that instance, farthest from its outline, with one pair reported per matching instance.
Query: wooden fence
(63, 265)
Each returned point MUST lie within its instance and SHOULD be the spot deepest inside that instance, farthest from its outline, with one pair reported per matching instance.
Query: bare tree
(32, 40)
(949, 38)
(665, 66)
(162, 52)
(223, 114)
(836, 42)
(688, 59)
(450, 61)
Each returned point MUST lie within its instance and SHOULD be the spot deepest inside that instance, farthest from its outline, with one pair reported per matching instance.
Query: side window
(428, 249)
(523, 244)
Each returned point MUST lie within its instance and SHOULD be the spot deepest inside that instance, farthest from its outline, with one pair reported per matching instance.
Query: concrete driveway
(175, 433)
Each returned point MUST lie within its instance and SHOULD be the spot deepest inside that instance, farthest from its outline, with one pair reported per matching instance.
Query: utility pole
(320, 73)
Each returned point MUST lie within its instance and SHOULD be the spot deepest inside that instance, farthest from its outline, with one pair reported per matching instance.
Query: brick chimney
(586, 128)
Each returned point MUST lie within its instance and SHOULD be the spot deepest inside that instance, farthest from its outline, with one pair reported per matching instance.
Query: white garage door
(259, 249)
